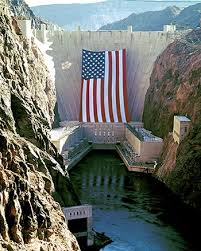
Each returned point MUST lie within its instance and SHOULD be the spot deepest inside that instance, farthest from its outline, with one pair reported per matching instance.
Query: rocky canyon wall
(21, 9)
(175, 88)
(31, 171)
(142, 50)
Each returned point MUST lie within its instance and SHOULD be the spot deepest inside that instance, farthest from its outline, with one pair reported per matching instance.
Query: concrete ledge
(81, 212)
(77, 212)
(134, 167)
(104, 146)
(81, 234)
(78, 158)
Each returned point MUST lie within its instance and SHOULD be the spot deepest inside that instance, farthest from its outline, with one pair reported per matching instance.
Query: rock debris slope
(31, 171)
(176, 89)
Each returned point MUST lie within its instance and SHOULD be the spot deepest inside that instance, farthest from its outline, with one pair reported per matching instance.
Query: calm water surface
(134, 210)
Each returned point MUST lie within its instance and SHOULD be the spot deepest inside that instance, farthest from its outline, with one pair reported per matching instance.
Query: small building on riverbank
(180, 128)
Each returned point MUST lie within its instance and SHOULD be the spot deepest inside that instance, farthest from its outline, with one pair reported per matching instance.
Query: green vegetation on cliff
(186, 177)
(176, 89)
(175, 85)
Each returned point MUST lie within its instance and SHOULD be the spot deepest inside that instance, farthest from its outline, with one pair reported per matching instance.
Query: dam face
(142, 51)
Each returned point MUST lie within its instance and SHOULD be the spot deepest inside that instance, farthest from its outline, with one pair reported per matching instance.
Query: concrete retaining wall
(142, 50)
(148, 151)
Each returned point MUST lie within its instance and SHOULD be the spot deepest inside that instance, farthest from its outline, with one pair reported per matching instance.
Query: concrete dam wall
(142, 50)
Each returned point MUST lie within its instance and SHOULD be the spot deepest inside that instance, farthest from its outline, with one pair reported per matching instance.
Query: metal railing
(143, 135)
(135, 132)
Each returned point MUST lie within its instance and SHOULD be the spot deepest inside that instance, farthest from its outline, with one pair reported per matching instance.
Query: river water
(137, 212)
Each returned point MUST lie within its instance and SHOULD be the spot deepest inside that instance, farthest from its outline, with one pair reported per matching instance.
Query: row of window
(104, 133)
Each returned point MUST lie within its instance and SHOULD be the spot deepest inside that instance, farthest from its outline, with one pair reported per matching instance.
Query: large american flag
(103, 87)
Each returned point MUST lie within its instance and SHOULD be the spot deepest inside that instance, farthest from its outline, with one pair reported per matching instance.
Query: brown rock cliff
(31, 171)
(176, 89)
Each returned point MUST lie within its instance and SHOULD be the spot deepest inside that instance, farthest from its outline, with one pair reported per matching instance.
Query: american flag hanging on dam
(103, 87)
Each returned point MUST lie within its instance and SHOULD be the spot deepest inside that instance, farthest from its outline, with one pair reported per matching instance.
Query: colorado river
(134, 210)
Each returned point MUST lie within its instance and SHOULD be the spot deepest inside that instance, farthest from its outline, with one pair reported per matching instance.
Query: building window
(185, 129)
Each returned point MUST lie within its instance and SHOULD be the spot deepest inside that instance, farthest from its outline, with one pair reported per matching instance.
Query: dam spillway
(142, 51)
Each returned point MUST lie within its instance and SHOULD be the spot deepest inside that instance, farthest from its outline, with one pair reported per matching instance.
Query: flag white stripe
(84, 96)
(106, 81)
(91, 100)
(98, 89)
(114, 99)
(121, 88)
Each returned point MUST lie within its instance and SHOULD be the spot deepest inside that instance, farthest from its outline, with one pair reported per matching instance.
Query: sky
(43, 2)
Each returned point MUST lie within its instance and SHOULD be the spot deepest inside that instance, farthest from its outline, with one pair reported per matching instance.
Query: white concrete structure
(25, 27)
(42, 34)
(28, 32)
(61, 136)
(81, 212)
(138, 144)
(169, 28)
(146, 146)
(130, 28)
(104, 133)
(181, 128)
(142, 51)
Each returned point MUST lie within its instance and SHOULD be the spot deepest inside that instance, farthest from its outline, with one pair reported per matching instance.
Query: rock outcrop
(176, 89)
(147, 21)
(31, 170)
(21, 10)
(188, 18)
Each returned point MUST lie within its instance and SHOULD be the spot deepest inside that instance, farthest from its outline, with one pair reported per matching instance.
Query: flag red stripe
(102, 101)
(95, 100)
(81, 118)
(117, 88)
(125, 86)
(87, 101)
(110, 87)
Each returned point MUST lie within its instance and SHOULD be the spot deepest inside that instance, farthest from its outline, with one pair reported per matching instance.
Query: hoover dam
(142, 50)
(112, 190)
